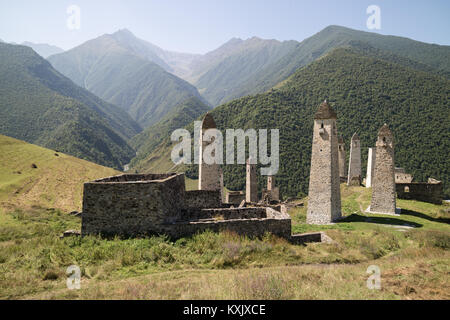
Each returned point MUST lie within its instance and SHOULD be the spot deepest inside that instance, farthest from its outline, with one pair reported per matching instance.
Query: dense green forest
(366, 92)
(41, 106)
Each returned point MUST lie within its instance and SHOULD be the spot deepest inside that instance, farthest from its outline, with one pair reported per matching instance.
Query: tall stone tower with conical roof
(342, 160)
(324, 204)
(209, 174)
(383, 183)
(354, 165)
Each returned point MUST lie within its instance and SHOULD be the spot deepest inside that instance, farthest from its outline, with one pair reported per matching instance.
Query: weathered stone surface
(354, 166)
(141, 205)
(324, 204)
(383, 185)
(342, 159)
(209, 174)
(272, 193)
(371, 158)
(310, 237)
(251, 183)
(235, 197)
(402, 177)
(421, 191)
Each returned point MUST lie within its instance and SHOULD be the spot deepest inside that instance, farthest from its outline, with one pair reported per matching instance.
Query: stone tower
(383, 183)
(324, 204)
(209, 174)
(272, 190)
(341, 148)
(370, 166)
(251, 183)
(354, 165)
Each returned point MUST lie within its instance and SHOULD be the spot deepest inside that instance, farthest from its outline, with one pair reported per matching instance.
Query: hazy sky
(198, 26)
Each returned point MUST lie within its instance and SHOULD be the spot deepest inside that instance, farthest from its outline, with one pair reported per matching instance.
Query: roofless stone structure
(324, 204)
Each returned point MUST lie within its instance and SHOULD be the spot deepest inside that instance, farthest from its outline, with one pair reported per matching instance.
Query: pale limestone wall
(251, 183)
(370, 166)
(342, 160)
(209, 174)
(354, 166)
(402, 177)
(324, 204)
(383, 185)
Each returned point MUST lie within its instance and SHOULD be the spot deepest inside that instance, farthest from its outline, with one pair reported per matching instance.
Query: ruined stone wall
(421, 191)
(324, 204)
(234, 197)
(370, 166)
(354, 166)
(276, 223)
(203, 199)
(121, 206)
(383, 185)
(401, 176)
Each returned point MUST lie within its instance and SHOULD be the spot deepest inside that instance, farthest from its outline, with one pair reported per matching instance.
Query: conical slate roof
(208, 122)
(385, 131)
(325, 111)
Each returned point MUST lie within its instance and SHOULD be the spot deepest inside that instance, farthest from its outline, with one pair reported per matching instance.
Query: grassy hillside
(39, 105)
(56, 182)
(412, 252)
(120, 69)
(366, 92)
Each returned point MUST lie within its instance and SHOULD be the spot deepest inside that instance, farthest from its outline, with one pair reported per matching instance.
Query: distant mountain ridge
(41, 106)
(43, 49)
(122, 70)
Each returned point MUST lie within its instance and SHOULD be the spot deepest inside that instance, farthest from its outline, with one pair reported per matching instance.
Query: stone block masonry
(342, 158)
(324, 204)
(354, 166)
(209, 174)
(141, 205)
(383, 184)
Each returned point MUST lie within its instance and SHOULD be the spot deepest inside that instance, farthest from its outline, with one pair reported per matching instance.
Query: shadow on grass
(424, 216)
(381, 220)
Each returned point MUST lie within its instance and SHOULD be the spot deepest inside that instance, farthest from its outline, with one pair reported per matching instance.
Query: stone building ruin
(370, 166)
(132, 205)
